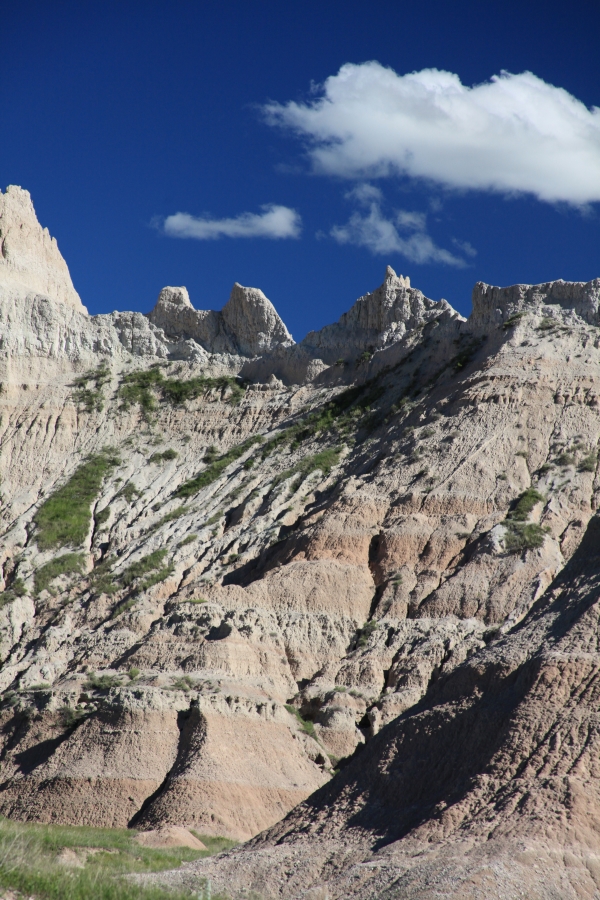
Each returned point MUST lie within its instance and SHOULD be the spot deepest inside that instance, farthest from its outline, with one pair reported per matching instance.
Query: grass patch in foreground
(64, 518)
(29, 862)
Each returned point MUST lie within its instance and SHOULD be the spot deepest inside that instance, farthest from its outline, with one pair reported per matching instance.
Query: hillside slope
(229, 560)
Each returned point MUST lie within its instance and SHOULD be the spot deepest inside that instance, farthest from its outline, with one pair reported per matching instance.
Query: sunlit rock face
(218, 589)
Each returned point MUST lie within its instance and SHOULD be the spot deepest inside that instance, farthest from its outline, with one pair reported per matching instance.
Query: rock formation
(29, 257)
(372, 554)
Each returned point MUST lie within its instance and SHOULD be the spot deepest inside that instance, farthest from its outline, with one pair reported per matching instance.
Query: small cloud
(465, 247)
(274, 222)
(364, 193)
(411, 221)
(380, 235)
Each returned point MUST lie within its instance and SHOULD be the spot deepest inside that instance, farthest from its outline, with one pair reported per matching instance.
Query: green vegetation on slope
(141, 387)
(520, 534)
(64, 518)
(67, 564)
(91, 398)
(33, 857)
(325, 461)
(215, 468)
(103, 581)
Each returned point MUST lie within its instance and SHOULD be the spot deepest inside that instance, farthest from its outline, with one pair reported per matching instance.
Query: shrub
(129, 492)
(104, 682)
(547, 324)
(66, 564)
(513, 320)
(524, 505)
(64, 518)
(69, 717)
(184, 683)
(520, 534)
(524, 536)
(17, 589)
(462, 359)
(165, 456)
(305, 724)
(325, 461)
(367, 630)
(140, 388)
(588, 463)
(133, 673)
(91, 398)
(565, 459)
(187, 540)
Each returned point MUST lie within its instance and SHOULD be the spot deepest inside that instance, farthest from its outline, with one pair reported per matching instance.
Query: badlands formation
(339, 597)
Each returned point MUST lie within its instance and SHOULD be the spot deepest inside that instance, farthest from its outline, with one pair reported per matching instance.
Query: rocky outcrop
(375, 321)
(264, 578)
(488, 788)
(29, 258)
(248, 324)
(493, 305)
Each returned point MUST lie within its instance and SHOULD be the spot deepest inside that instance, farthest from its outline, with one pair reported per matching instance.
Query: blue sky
(202, 143)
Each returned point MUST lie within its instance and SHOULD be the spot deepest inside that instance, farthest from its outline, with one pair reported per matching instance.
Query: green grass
(67, 564)
(129, 492)
(165, 456)
(171, 516)
(588, 463)
(215, 468)
(141, 388)
(366, 631)
(143, 566)
(306, 725)
(29, 862)
(103, 581)
(187, 540)
(565, 459)
(524, 505)
(325, 461)
(64, 518)
(520, 534)
(345, 411)
(513, 320)
(17, 589)
(101, 517)
(91, 398)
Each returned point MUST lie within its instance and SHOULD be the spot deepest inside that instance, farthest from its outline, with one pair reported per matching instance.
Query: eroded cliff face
(216, 590)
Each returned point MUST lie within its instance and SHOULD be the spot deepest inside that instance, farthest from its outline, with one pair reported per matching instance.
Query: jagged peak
(392, 277)
(252, 318)
(29, 257)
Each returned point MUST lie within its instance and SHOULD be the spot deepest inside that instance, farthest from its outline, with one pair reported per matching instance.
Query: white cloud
(513, 134)
(273, 222)
(364, 193)
(381, 236)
